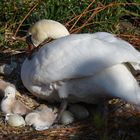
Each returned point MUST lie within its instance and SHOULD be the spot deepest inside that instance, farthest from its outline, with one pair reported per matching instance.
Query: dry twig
(14, 37)
(82, 14)
(98, 10)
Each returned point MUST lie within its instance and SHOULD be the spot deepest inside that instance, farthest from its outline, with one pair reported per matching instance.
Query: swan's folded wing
(78, 56)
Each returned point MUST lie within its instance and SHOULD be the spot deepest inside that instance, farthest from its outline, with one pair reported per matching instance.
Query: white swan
(79, 67)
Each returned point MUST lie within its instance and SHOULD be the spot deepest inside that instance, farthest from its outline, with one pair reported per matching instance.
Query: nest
(122, 120)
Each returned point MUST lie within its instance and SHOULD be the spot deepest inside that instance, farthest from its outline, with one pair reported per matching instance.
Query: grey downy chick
(10, 105)
(41, 118)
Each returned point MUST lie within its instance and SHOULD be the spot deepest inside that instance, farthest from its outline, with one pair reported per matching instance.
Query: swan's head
(9, 92)
(44, 29)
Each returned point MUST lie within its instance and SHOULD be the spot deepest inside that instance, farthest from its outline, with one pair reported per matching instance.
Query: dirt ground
(122, 121)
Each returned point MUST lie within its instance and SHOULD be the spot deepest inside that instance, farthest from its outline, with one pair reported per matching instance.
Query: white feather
(85, 65)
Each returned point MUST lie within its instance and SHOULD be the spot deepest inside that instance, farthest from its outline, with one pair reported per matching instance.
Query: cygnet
(10, 105)
(41, 118)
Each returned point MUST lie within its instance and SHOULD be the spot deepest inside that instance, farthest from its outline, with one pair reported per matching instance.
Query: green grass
(107, 19)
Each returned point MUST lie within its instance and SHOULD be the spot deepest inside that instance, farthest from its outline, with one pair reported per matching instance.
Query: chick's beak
(5, 97)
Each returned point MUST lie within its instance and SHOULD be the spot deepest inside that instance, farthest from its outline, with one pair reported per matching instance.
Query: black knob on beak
(29, 40)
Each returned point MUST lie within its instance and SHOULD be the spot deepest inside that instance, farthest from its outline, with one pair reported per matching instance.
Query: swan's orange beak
(30, 47)
(30, 43)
